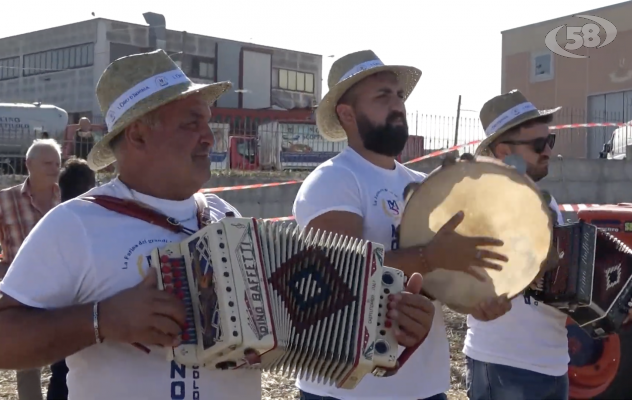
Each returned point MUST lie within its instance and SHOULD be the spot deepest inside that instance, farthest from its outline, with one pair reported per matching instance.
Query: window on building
(59, 59)
(541, 66)
(296, 81)
(9, 68)
(203, 68)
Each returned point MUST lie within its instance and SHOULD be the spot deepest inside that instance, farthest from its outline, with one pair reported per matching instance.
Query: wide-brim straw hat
(135, 85)
(346, 72)
(504, 112)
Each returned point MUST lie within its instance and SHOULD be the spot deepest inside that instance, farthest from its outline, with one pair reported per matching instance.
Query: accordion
(309, 304)
(592, 282)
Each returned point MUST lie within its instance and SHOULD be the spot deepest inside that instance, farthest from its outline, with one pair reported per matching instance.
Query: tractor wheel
(599, 369)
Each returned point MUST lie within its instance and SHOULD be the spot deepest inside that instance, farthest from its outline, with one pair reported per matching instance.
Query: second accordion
(306, 304)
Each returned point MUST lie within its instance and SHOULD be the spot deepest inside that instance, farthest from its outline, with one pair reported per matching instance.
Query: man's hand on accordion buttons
(453, 251)
(412, 312)
(492, 309)
(143, 314)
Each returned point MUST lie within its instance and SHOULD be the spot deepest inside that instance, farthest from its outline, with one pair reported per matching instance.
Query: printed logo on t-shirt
(389, 202)
(529, 301)
(136, 255)
(184, 382)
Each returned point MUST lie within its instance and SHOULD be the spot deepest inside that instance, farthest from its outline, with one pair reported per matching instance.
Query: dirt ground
(279, 388)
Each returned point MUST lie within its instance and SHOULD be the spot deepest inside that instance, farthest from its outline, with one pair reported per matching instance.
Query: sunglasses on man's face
(538, 144)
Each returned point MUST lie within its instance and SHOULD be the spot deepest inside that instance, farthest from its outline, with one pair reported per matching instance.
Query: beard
(386, 139)
(538, 171)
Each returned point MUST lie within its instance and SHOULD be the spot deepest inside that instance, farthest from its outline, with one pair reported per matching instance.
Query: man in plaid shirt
(21, 207)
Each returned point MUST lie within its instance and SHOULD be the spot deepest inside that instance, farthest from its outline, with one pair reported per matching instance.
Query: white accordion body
(310, 304)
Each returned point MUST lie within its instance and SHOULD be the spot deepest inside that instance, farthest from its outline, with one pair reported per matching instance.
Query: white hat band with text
(361, 67)
(509, 115)
(141, 91)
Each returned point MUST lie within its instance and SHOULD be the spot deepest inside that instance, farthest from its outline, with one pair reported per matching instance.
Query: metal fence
(242, 144)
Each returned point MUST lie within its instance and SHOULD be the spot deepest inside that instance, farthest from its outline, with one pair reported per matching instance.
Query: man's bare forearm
(408, 261)
(32, 338)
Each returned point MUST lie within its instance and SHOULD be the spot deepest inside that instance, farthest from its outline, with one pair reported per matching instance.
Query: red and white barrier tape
(439, 152)
(576, 207)
(563, 207)
(280, 219)
(431, 155)
(255, 186)
(590, 125)
(263, 185)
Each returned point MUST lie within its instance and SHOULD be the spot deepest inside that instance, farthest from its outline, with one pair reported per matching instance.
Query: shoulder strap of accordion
(200, 202)
(135, 210)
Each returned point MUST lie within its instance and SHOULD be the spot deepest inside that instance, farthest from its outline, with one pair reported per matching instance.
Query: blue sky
(456, 43)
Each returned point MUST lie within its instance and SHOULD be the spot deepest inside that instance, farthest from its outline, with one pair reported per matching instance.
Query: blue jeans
(309, 396)
(487, 381)
(57, 389)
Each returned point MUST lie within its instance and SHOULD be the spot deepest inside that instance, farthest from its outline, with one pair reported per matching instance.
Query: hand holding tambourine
(498, 201)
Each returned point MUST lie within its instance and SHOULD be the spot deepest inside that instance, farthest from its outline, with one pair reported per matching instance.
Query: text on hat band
(509, 115)
(361, 67)
(141, 91)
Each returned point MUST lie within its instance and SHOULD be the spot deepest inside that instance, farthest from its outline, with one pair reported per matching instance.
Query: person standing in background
(74, 180)
(505, 360)
(84, 139)
(21, 207)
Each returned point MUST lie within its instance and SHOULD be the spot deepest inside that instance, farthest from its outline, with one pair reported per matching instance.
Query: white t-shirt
(531, 336)
(80, 253)
(350, 183)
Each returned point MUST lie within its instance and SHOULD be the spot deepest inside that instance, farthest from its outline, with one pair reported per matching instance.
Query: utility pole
(458, 117)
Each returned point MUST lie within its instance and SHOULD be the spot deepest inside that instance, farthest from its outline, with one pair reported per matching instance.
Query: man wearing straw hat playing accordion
(524, 354)
(81, 287)
(360, 193)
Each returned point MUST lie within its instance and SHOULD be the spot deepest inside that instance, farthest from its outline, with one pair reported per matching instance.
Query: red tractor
(600, 369)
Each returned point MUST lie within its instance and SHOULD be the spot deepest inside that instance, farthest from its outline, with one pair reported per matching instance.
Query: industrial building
(597, 88)
(62, 65)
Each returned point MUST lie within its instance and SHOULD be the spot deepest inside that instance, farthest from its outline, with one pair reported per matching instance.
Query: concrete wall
(573, 181)
(569, 181)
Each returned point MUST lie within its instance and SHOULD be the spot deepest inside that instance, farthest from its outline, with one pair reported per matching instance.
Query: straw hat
(133, 86)
(346, 72)
(504, 112)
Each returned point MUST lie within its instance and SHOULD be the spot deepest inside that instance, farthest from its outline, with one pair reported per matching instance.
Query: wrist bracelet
(423, 261)
(95, 321)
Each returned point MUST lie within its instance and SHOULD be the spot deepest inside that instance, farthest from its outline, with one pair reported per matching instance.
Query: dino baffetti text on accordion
(309, 304)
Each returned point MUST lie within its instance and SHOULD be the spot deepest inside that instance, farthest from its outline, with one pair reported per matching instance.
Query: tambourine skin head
(498, 202)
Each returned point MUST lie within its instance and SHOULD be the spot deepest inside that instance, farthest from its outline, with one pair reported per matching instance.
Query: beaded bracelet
(95, 321)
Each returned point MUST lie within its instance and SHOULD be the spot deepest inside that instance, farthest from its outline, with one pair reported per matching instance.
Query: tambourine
(498, 201)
